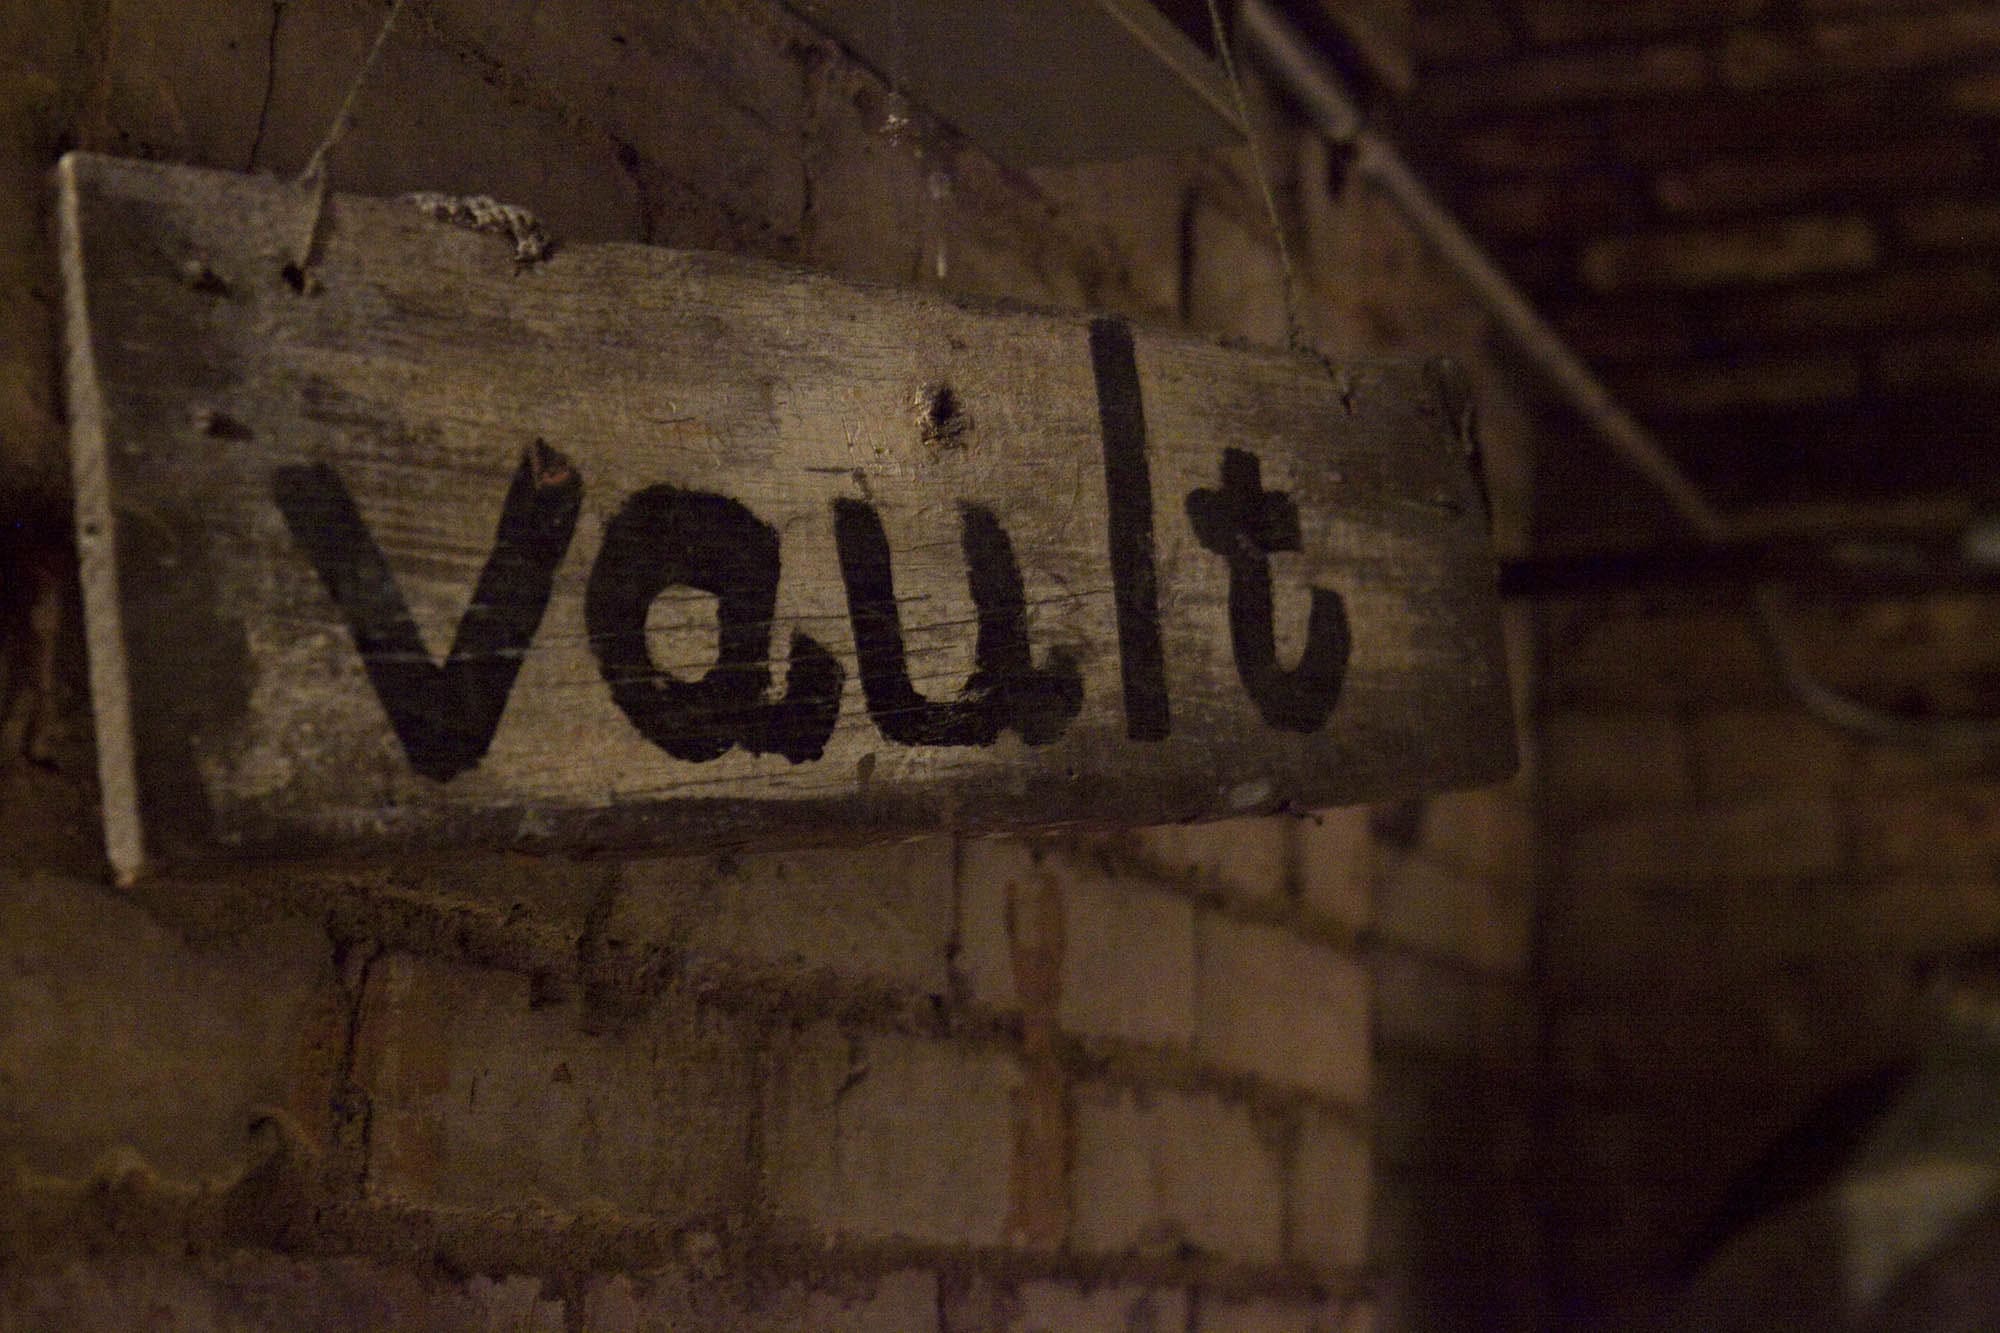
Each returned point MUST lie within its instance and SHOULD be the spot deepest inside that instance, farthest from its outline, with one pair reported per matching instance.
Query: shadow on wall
(1878, 1210)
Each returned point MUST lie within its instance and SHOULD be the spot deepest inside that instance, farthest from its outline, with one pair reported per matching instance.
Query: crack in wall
(351, 1110)
(270, 82)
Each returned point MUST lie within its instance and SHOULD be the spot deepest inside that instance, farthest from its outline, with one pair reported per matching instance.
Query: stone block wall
(1126, 1081)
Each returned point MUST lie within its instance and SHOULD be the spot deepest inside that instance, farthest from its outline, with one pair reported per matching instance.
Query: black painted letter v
(445, 716)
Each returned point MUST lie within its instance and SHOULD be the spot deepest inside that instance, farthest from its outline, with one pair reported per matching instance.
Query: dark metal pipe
(1377, 163)
(1900, 565)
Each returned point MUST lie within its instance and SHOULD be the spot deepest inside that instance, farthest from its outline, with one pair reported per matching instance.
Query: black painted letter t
(1243, 523)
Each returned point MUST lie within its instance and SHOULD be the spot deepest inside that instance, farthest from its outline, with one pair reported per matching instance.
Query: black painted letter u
(1005, 688)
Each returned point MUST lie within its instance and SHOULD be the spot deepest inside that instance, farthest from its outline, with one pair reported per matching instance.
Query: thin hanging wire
(313, 176)
(1294, 331)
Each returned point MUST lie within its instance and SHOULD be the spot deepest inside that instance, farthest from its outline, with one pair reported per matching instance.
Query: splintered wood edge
(97, 547)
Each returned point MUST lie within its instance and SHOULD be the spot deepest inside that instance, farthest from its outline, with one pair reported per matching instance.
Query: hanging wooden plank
(438, 545)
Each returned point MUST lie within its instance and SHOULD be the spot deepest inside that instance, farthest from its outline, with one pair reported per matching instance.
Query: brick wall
(1124, 1082)
(1769, 224)
(1458, 1055)
(1768, 227)
(1743, 912)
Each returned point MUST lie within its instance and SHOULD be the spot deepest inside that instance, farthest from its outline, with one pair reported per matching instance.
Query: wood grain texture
(639, 549)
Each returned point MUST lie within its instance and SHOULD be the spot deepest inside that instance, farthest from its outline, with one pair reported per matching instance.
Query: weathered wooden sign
(438, 544)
